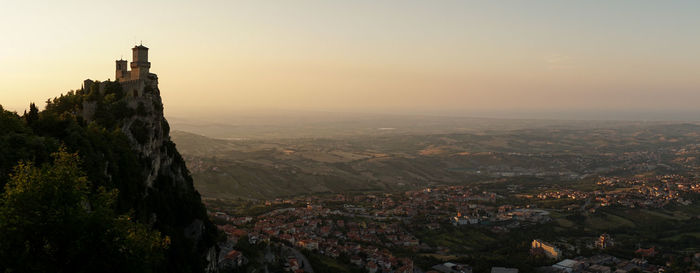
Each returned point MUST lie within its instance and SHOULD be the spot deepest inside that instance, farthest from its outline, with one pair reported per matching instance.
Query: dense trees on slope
(51, 221)
(116, 175)
(107, 157)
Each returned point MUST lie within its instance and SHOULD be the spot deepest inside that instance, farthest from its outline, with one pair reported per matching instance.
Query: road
(269, 258)
(301, 257)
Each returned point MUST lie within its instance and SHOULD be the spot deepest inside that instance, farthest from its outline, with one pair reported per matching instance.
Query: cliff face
(167, 199)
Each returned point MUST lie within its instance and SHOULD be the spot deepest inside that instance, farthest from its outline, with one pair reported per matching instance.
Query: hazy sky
(365, 56)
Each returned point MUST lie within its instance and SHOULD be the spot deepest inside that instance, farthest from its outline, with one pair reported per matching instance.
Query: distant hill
(268, 168)
(296, 124)
(198, 145)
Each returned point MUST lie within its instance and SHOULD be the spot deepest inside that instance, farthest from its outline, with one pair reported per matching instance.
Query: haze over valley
(363, 136)
(358, 155)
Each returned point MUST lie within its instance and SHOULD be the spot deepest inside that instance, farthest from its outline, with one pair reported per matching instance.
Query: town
(439, 228)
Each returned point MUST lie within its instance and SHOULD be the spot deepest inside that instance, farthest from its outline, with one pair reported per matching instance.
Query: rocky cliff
(166, 198)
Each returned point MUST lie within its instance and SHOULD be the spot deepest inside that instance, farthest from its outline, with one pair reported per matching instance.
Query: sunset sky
(434, 57)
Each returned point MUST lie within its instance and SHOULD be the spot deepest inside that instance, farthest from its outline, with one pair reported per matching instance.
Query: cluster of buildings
(502, 217)
(544, 248)
(450, 267)
(320, 229)
(603, 264)
(566, 193)
(646, 192)
(366, 228)
(631, 192)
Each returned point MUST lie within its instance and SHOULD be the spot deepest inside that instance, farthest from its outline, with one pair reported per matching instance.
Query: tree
(52, 221)
(33, 114)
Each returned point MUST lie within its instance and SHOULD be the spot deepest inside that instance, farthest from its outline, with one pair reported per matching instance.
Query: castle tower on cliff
(140, 66)
(135, 82)
(122, 72)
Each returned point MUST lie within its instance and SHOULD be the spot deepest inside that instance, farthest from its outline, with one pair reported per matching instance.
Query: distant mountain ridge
(261, 125)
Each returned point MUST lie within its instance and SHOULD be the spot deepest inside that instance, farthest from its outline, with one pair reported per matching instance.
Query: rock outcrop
(168, 200)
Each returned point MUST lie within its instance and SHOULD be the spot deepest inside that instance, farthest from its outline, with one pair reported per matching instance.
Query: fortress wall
(133, 88)
(125, 75)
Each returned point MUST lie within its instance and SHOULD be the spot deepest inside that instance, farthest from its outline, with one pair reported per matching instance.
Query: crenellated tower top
(140, 66)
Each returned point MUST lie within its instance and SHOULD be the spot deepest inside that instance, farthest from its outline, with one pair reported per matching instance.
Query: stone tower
(122, 71)
(139, 63)
(136, 81)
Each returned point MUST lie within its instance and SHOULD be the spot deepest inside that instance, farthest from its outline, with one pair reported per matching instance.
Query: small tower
(140, 64)
(122, 74)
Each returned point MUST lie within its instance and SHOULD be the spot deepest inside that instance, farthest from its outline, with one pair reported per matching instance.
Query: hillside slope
(124, 144)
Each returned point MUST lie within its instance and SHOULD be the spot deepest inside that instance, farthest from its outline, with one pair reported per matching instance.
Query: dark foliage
(51, 221)
(110, 164)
